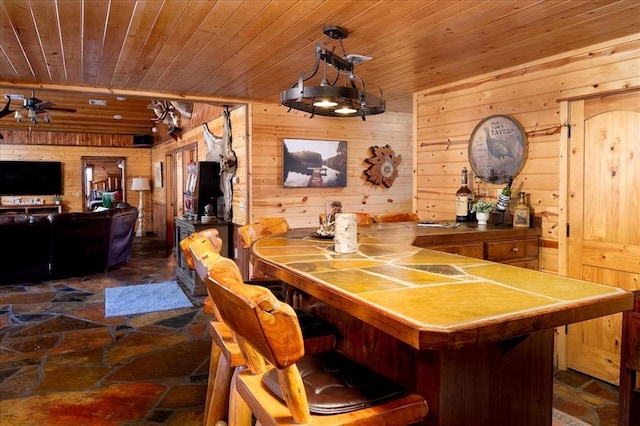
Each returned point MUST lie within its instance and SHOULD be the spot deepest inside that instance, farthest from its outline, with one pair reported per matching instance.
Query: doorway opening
(103, 181)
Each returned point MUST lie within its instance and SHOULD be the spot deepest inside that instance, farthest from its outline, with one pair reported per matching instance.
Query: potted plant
(57, 199)
(483, 210)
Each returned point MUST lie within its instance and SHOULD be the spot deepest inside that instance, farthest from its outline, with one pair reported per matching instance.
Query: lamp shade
(140, 184)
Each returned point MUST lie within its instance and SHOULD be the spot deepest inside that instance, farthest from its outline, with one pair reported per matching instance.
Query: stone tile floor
(62, 363)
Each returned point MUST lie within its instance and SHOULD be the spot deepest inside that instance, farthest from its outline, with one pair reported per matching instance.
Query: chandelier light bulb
(325, 103)
(346, 110)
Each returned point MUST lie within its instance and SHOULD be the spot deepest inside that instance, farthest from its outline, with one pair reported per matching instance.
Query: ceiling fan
(36, 107)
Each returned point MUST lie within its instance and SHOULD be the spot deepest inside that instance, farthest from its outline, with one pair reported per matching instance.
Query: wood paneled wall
(137, 164)
(270, 124)
(447, 115)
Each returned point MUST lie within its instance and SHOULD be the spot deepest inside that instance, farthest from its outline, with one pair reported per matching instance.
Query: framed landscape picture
(314, 163)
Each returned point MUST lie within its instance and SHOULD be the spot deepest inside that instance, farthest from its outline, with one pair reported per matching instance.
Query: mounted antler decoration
(169, 112)
(219, 149)
(383, 166)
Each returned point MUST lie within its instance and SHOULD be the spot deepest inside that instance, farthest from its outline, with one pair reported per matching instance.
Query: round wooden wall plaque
(497, 149)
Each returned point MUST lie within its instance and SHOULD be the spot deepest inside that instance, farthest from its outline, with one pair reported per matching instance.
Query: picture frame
(310, 163)
(497, 148)
(157, 174)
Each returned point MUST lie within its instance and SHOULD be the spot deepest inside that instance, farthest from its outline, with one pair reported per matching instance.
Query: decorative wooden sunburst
(383, 166)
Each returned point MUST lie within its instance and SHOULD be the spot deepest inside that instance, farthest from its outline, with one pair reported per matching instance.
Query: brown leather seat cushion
(334, 384)
(312, 326)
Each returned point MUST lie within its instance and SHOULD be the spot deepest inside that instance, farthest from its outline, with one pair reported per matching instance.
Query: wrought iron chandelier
(342, 96)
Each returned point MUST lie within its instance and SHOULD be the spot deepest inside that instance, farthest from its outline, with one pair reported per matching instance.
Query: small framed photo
(157, 174)
(311, 163)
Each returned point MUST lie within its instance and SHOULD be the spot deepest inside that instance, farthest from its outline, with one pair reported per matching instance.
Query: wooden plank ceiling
(70, 51)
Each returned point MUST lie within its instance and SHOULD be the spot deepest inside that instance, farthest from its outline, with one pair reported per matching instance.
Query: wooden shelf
(31, 209)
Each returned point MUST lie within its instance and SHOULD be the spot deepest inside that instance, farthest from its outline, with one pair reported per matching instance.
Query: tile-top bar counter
(474, 337)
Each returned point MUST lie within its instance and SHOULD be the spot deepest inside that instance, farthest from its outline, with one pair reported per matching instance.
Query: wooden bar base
(496, 384)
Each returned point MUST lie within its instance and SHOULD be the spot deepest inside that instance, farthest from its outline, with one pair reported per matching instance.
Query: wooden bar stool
(629, 398)
(282, 385)
(201, 249)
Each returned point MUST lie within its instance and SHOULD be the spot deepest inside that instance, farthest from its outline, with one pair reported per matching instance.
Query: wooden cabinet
(512, 246)
(184, 228)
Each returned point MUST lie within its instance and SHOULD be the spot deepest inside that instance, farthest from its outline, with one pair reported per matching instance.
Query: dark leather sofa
(61, 245)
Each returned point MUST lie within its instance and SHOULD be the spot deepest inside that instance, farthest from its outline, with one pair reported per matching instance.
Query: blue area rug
(144, 298)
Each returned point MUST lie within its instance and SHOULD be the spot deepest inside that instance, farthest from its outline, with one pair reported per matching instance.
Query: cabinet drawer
(512, 250)
(470, 250)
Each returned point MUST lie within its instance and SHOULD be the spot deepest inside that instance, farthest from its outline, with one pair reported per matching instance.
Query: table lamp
(140, 184)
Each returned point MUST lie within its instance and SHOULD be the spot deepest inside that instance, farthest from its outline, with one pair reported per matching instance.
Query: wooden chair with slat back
(262, 227)
(361, 218)
(396, 217)
(278, 386)
(201, 250)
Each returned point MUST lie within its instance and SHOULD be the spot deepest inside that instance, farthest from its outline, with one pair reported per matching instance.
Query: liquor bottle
(504, 197)
(462, 199)
(521, 212)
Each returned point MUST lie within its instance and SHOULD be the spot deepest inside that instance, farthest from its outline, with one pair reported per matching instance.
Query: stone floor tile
(19, 384)
(81, 340)
(89, 357)
(119, 404)
(56, 324)
(26, 298)
(94, 312)
(178, 360)
(186, 418)
(31, 346)
(135, 344)
(60, 378)
(184, 396)
(603, 390)
(571, 378)
(576, 409)
(32, 308)
(607, 415)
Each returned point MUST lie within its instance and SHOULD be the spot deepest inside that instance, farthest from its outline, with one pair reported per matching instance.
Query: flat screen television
(30, 177)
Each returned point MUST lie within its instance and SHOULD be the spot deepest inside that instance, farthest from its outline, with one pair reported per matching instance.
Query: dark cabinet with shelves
(184, 228)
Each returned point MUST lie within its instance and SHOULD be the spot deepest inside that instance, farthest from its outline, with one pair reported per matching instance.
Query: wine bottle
(462, 199)
(505, 196)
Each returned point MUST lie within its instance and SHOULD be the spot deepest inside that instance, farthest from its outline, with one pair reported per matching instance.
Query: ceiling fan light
(18, 116)
(31, 114)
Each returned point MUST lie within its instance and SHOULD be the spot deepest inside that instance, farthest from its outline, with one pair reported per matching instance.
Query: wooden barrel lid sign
(497, 149)
(383, 166)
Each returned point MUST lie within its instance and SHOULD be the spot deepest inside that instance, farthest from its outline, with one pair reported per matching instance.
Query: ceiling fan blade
(44, 105)
(54, 108)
